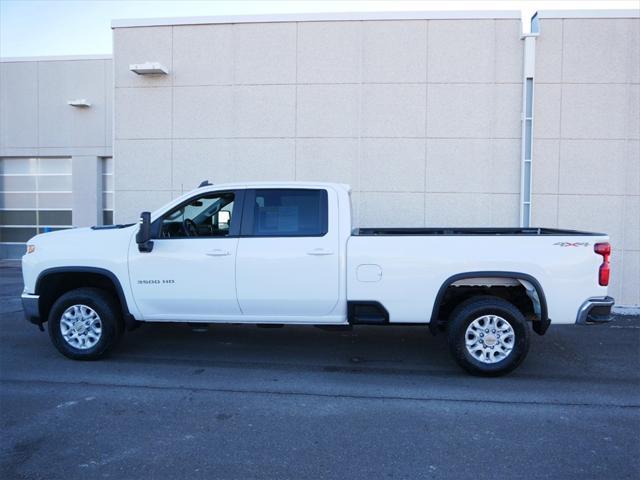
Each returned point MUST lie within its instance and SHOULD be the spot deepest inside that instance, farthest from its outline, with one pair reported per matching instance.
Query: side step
(367, 313)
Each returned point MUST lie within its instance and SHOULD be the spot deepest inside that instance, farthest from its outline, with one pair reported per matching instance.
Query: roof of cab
(275, 184)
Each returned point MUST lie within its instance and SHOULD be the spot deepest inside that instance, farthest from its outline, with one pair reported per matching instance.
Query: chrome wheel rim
(490, 339)
(81, 327)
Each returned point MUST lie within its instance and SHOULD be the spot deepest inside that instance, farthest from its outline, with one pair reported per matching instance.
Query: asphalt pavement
(243, 402)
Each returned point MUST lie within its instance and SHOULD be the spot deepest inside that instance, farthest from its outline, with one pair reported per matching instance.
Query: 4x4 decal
(572, 244)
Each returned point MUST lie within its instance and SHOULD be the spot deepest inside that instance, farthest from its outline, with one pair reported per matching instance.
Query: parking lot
(299, 402)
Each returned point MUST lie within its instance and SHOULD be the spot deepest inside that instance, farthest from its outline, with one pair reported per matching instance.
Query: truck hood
(84, 243)
(80, 234)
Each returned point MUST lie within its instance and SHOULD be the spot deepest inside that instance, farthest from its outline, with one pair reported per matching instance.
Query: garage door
(35, 197)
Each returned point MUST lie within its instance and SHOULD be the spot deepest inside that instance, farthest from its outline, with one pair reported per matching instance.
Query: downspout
(526, 151)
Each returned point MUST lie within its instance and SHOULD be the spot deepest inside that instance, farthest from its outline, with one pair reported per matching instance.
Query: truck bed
(531, 231)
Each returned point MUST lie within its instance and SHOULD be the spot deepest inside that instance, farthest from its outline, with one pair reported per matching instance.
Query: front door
(288, 256)
(190, 273)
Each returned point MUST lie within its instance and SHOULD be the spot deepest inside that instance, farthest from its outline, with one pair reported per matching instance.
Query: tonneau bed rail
(530, 231)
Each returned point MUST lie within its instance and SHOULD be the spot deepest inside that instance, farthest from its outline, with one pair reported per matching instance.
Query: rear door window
(286, 213)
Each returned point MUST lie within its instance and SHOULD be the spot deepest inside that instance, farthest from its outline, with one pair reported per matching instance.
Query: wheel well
(522, 290)
(52, 285)
(515, 294)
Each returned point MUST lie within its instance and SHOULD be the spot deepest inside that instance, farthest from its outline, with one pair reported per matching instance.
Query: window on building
(35, 197)
(107, 191)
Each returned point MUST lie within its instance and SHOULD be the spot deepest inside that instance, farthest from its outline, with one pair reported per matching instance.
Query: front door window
(207, 216)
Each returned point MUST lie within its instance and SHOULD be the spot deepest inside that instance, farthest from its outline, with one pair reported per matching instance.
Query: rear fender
(532, 286)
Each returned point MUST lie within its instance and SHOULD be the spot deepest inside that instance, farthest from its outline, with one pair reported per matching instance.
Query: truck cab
(244, 254)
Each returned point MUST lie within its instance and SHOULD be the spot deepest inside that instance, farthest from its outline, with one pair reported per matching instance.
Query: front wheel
(85, 323)
(488, 336)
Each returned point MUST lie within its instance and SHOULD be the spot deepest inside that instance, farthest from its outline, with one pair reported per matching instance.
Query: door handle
(320, 251)
(217, 253)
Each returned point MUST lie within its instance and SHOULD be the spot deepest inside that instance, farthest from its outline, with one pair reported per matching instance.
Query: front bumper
(31, 308)
(595, 310)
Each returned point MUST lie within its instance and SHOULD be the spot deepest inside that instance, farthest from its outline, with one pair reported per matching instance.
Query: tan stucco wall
(586, 172)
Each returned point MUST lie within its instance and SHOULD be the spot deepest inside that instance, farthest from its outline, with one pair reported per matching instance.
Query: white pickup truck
(286, 253)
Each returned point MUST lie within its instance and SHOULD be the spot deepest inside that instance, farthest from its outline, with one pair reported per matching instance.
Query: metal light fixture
(149, 68)
(79, 102)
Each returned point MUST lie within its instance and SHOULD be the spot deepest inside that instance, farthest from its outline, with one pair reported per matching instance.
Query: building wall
(421, 117)
(37, 122)
(586, 166)
(36, 118)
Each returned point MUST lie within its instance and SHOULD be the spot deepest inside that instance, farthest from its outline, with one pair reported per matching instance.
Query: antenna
(205, 183)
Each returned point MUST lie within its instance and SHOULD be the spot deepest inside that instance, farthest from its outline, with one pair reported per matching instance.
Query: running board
(367, 313)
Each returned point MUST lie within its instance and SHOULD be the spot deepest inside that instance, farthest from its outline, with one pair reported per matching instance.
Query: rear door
(287, 262)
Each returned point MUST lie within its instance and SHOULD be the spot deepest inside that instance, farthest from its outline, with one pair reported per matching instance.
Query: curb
(626, 310)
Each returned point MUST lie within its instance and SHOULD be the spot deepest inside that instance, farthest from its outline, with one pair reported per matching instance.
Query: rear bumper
(595, 310)
(31, 308)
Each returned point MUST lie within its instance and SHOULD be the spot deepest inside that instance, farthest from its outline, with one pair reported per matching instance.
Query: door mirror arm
(143, 237)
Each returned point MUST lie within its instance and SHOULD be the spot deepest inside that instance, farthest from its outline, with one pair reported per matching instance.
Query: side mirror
(224, 216)
(143, 237)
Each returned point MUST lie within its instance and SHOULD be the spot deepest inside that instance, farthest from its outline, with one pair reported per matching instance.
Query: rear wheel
(488, 336)
(85, 323)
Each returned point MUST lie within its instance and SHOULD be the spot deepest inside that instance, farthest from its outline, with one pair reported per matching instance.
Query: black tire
(468, 311)
(110, 318)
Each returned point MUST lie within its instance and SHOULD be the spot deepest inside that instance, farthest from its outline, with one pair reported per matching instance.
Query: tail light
(603, 249)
